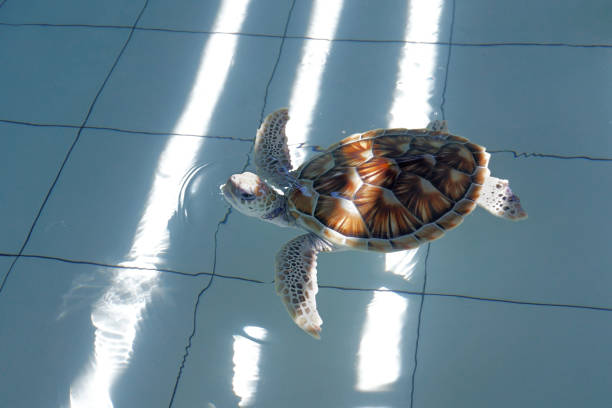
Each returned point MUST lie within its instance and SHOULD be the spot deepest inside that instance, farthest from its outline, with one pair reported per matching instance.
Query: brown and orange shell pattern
(389, 189)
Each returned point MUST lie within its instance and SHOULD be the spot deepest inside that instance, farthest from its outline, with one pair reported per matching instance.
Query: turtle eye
(247, 196)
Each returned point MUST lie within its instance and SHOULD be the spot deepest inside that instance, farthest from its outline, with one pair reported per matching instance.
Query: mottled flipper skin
(296, 280)
(497, 198)
(272, 158)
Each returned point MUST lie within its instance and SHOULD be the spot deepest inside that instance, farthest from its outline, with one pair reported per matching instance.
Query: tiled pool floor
(126, 280)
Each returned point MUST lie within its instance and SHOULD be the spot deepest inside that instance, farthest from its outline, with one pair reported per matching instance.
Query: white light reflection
(214, 67)
(416, 68)
(117, 314)
(246, 363)
(305, 92)
(379, 364)
(379, 351)
(402, 263)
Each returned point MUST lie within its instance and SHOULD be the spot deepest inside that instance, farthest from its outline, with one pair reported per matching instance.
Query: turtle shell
(389, 189)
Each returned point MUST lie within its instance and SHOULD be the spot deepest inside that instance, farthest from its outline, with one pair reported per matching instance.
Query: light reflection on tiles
(306, 88)
(119, 310)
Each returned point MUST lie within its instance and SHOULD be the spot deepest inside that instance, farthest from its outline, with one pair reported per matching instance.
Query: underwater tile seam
(194, 329)
(272, 74)
(445, 83)
(421, 304)
(550, 156)
(131, 267)
(322, 286)
(129, 131)
(302, 37)
(313, 148)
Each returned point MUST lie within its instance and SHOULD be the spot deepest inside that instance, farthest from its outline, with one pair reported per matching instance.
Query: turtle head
(251, 196)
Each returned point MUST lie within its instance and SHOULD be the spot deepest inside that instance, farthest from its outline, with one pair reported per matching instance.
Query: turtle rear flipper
(497, 198)
(296, 280)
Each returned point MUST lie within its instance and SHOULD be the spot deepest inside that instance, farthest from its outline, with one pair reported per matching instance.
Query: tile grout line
(226, 218)
(422, 300)
(131, 267)
(302, 145)
(418, 330)
(129, 131)
(303, 37)
(448, 59)
(550, 156)
(322, 286)
(68, 154)
(195, 309)
(469, 297)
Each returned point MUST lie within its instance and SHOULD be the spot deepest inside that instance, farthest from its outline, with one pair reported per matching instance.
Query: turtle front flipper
(296, 280)
(272, 158)
(497, 198)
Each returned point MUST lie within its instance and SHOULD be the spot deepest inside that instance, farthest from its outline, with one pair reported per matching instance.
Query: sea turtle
(383, 190)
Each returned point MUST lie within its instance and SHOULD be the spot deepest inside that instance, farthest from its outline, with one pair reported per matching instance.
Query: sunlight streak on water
(379, 358)
(306, 88)
(402, 263)
(117, 314)
(379, 351)
(417, 67)
(246, 364)
(214, 66)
